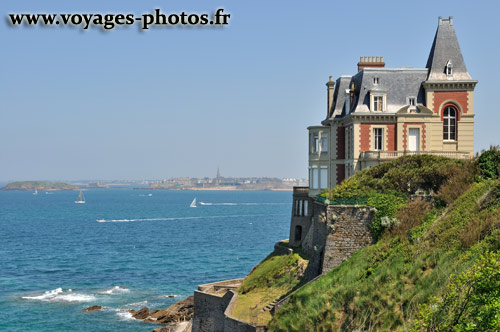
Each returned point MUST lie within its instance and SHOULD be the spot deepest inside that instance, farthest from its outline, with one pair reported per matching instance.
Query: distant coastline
(39, 185)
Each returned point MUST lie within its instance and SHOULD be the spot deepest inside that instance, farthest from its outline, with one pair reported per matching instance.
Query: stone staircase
(270, 306)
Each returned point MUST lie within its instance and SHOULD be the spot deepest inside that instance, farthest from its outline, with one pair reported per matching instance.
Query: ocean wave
(116, 290)
(137, 304)
(124, 314)
(186, 218)
(59, 294)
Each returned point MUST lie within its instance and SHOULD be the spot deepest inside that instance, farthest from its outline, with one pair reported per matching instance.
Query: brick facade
(341, 143)
(460, 97)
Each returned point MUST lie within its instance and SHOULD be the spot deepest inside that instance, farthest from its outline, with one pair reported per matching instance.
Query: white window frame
(315, 177)
(323, 177)
(412, 101)
(315, 143)
(447, 126)
(376, 81)
(378, 139)
(323, 143)
(378, 102)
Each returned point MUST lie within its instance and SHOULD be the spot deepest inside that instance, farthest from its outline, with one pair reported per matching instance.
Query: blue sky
(126, 104)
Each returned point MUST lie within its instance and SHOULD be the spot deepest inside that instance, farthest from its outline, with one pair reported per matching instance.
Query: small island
(39, 185)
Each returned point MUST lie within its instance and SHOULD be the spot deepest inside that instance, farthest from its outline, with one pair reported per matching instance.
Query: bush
(489, 162)
(410, 216)
(458, 183)
(386, 205)
(471, 301)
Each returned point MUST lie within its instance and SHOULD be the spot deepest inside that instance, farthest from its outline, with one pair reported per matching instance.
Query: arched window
(450, 123)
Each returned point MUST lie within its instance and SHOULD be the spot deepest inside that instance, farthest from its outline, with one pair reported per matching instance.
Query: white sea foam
(187, 218)
(124, 315)
(116, 290)
(59, 295)
(137, 304)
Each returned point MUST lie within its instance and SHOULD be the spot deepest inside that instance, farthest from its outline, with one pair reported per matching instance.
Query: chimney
(370, 62)
(329, 101)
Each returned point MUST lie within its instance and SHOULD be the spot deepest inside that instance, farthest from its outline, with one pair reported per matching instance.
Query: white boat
(35, 192)
(193, 203)
(81, 198)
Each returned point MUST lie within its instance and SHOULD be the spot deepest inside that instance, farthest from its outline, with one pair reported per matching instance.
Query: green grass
(275, 277)
(381, 287)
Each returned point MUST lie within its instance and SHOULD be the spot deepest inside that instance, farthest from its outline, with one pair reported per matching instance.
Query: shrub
(410, 216)
(471, 301)
(489, 162)
(386, 205)
(458, 182)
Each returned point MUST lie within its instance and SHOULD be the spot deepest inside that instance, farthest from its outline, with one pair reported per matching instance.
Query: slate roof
(446, 48)
(399, 84)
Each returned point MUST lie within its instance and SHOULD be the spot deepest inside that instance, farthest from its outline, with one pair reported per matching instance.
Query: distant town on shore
(177, 183)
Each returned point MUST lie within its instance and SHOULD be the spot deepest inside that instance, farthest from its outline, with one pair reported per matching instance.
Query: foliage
(489, 162)
(384, 287)
(386, 205)
(471, 301)
(459, 182)
(411, 215)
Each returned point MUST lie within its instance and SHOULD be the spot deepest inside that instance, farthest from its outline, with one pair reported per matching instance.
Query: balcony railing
(301, 190)
(387, 155)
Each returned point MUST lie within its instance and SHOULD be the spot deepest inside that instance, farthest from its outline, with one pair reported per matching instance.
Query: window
(448, 69)
(306, 206)
(315, 143)
(378, 134)
(315, 177)
(324, 142)
(378, 103)
(323, 176)
(412, 101)
(376, 80)
(449, 123)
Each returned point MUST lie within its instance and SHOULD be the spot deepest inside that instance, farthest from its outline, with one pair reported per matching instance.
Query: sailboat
(193, 203)
(35, 192)
(80, 199)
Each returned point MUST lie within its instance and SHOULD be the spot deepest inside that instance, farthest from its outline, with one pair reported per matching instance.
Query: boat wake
(233, 204)
(187, 218)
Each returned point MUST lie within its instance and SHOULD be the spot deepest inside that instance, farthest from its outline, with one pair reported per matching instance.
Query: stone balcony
(389, 155)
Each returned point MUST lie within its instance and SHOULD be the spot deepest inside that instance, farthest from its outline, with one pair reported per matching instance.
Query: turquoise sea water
(56, 259)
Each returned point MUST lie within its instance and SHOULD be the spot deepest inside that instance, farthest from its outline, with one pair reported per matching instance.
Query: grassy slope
(382, 286)
(274, 277)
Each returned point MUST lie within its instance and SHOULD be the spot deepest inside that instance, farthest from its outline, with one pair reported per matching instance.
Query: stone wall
(348, 230)
(209, 311)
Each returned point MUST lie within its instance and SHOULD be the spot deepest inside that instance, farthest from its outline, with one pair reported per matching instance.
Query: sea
(125, 249)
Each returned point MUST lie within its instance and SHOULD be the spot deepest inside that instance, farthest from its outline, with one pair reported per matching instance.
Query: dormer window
(449, 68)
(376, 81)
(412, 101)
(378, 100)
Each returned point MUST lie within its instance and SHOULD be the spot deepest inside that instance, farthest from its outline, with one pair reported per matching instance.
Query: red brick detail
(452, 105)
(340, 173)
(364, 139)
(459, 97)
(405, 134)
(341, 143)
(391, 137)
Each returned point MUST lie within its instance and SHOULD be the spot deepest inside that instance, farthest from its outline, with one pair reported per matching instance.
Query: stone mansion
(382, 113)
